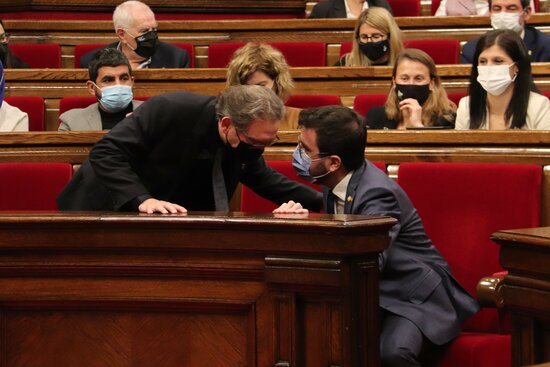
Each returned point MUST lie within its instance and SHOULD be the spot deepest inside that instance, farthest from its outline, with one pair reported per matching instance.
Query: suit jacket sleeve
(381, 3)
(278, 188)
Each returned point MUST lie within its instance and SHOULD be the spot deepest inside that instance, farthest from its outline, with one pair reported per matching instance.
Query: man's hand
(151, 206)
(291, 208)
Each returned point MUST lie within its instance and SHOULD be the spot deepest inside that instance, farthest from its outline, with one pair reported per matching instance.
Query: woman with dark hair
(416, 99)
(8, 59)
(501, 73)
(377, 40)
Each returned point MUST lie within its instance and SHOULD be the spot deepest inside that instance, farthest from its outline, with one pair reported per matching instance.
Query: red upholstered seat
(251, 202)
(547, 94)
(296, 53)
(40, 56)
(345, 47)
(32, 186)
(405, 8)
(313, 100)
(364, 102)
(456, 97)
(33, 106)
(81, 50)
(461, 205)
(441, 51)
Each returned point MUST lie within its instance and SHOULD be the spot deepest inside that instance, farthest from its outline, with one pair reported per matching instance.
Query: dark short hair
(107, 57)
(340, 131)
(524, 3)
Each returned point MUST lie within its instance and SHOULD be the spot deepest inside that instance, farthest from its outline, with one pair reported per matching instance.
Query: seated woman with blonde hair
(376, 40)
(261, 64)
(416, 99)
(502, 94)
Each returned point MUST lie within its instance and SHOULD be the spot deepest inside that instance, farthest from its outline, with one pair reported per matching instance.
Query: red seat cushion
(310, 101)
(32, 186)
(69, 103)
(405, 8)
(441, 51)
(476, 350)
(40, 56)
(33, 106)
(364, 102)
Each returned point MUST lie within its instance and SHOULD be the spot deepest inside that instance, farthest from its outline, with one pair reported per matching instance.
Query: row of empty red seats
(34, 106)
(297, 54)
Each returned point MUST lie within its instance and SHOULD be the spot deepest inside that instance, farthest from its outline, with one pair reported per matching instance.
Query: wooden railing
(202, 33)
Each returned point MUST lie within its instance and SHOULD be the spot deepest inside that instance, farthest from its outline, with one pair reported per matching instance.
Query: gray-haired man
(184, 151)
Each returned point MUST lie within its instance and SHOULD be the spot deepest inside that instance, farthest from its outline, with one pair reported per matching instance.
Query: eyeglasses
(4, 37)
(255, 143)
(303, 153)
(377, 37)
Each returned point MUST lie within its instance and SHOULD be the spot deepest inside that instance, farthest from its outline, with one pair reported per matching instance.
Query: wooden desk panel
(525, 253)
(210, 289)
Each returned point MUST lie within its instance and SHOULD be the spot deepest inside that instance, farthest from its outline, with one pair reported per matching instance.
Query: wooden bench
(53, 85)
(203, 33)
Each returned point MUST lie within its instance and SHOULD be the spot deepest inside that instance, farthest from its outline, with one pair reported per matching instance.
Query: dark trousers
(402, 344)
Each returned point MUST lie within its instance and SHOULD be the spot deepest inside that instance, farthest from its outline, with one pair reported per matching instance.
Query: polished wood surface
(345, 82)
(525, 253)
(205, 289)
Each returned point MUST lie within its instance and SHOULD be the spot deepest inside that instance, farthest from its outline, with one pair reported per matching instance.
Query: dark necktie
(218, 184)
(330, 202)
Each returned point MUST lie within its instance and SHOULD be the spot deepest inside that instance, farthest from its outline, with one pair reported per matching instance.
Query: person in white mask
(111, 82)
(513, 15)
(501, 73)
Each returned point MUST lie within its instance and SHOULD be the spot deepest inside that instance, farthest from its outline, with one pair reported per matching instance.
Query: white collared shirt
(339, 192)
(349, 14)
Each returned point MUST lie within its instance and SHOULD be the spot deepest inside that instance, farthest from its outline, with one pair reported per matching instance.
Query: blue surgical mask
(116, 98)
(302, 164)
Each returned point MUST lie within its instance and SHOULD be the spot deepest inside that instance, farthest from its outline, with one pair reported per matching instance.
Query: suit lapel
(352, 188)
(93, 119)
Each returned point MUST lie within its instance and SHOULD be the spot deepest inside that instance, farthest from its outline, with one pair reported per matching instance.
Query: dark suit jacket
(415, 281)
(14, 62)
(165, 56)
(537, 43)
(154, 152)
(337, 8)
(376, 119)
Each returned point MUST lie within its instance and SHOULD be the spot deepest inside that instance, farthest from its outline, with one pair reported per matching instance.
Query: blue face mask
(116, 98)
(302, 164)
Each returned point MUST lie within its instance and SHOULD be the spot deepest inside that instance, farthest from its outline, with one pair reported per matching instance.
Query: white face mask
(495, 79)
(505, 20)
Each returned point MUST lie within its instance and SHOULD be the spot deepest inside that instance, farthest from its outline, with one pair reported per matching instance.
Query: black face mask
(146, 44)
(245, 152)
(3, 53)
(375, 50)
(419, 92)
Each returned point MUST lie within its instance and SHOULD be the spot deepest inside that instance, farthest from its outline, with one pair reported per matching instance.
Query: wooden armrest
(489, 291)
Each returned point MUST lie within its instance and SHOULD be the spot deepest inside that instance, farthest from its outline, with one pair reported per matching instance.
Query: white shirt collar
(342, 187)
(349, 14)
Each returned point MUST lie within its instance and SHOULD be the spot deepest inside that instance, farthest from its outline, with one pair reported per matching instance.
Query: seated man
(11, 118)
(111, 82)
(513, 15)
(422, 305)
(136, 28)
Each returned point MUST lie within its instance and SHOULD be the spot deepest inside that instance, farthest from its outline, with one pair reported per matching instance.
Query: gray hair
(123, 14)
(246, 103)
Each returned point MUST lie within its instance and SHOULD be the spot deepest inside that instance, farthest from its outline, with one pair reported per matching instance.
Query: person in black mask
(136, 28)
(376, 40)
(416, 99)
(183, 151)
(7, 57)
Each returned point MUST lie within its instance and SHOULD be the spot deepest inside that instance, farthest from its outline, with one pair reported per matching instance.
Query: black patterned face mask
(146, 44)
(374, 50)
(419, 92)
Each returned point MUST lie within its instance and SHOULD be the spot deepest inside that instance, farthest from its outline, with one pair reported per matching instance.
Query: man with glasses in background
(183, 151)
(136, 28)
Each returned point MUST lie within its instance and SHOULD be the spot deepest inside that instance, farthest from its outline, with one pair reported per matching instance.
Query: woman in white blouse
(502, 94)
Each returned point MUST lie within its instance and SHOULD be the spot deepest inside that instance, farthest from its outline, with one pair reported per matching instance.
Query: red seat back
(297, 54)
(69, 103)
(32, 186)
(441, 51)
(364, 102)
(313, 100)
(345, 47)
(462, 204)
(39, 56)
(405, 8)
(456, 97)
(33, 106)
(82, 49)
